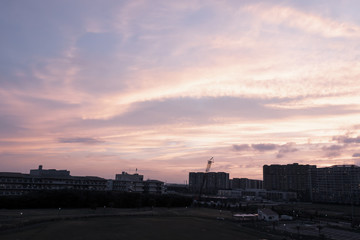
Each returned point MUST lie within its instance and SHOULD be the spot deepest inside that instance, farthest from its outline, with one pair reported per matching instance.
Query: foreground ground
(135, 228)
(135, 224)
(164, 223)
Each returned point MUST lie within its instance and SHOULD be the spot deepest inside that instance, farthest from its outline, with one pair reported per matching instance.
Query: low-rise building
(267, 215)
(154, 187)
(177, 188)
(40, 179)
(258, 194)
(126, 182)
(51, 179)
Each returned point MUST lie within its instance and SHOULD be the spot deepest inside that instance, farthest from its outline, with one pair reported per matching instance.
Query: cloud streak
(346, 139)
(241, 147)
(84, 140)
(307, 22)
(264, 147)
(285, 149)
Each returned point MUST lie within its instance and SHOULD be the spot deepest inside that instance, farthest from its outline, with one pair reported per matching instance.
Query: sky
(101, 87)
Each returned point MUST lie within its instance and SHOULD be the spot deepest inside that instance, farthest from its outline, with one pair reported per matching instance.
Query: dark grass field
(143, 223)
(135, 228)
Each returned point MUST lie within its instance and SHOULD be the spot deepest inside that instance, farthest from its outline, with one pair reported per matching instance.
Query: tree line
(91, 199)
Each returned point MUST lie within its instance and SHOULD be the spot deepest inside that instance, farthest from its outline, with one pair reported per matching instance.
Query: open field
(166, 225)
(163, 223)
(23, 217)
(135, 228)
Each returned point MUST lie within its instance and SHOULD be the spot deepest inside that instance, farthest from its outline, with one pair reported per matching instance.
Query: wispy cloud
(346, 139)
(84, 140)
(264, 147)
(333, 150)
(308, 22)
(285, 149)
(240, 147)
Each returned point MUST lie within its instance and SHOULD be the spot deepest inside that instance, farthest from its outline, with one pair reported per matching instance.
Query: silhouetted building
(126, 182)
(40, 179)
(291, 177)
(258, 194)
(213, 181)
(154, 187)
(195, 181)
(49, 172)
(51, 179)
(337, 184)
(177, 188)
(245, 183)
(124, 176)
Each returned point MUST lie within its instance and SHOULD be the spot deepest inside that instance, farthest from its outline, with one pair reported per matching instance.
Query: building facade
(211, 182)
(291, 177)
(40, 179)
(258, 194)
(195, 181)
(337, 184)
(177, 188)
(154, 187)
(126, 182)
(245, 183)
(52, 179)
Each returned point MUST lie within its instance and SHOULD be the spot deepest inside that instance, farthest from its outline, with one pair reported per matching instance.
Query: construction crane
(207, 170)
(208, 166)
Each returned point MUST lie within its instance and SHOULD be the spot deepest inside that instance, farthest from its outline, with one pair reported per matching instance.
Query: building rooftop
(13, 174)
(345, 166)
(49, 172)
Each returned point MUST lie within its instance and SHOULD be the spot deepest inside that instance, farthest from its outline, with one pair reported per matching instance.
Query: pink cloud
(307, 22)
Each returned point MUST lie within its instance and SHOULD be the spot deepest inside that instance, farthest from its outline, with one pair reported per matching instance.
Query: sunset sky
(101, 87)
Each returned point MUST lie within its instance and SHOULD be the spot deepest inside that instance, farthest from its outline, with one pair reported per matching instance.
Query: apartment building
(211, 182)
(246, 183)
(291, 177)
(337, 184)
